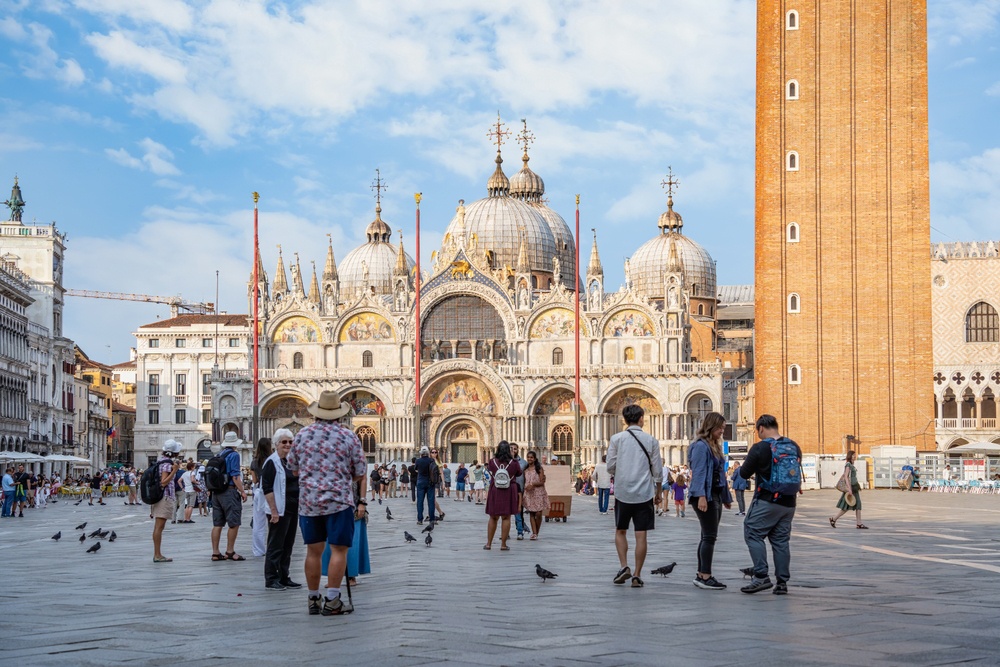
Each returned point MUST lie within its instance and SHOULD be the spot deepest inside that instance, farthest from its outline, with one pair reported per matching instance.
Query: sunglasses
(281, 442)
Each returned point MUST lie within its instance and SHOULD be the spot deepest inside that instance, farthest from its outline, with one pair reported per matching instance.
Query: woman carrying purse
(850, 497)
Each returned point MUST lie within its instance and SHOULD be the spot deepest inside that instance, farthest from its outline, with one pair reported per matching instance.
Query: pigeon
(81, 526)
(747, 571)
(388, 514)
(429, 528)
(114, 536)
(95, 533)
(94, 549)
(428, 539)
(544, 574)
(83, 538)
(665, 570)
(57, 536)
(78, 502)
(104, 533)
(409, 538)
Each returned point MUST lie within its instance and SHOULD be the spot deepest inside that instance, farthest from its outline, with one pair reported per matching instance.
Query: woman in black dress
(502, 502)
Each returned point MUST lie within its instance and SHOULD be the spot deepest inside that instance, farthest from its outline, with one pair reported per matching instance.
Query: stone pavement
(922, 587)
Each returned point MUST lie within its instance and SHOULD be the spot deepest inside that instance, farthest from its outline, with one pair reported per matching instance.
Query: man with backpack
(224, 479)
(777, 462)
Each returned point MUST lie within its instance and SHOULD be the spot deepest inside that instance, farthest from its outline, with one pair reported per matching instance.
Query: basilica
(497, 335)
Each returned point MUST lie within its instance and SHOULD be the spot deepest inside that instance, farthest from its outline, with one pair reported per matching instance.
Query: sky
(141, 127)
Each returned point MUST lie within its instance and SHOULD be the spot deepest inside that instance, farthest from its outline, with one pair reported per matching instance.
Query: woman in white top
(190, 494)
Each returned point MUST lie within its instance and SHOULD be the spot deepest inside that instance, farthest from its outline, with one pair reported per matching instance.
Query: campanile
(843, 318)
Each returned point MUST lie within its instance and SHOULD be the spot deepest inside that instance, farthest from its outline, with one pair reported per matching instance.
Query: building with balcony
(15, 297)
(497, 336)
(965, 304)
(174, 362)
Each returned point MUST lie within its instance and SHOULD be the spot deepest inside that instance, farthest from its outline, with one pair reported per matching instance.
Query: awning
(26, 457)
(976, 448)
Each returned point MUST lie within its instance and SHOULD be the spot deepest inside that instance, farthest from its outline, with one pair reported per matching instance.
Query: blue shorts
(460, 486)
(336, 529)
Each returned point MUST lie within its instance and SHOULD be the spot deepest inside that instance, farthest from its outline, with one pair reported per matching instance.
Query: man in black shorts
(635, 463)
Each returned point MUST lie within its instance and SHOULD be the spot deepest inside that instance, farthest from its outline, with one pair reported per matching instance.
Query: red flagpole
(416, 335)
(576, 409)
(256, 321)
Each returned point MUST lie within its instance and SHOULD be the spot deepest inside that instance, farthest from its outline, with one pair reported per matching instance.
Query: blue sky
(142, 126)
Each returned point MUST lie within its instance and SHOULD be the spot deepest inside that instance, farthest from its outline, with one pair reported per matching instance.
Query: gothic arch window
(793, 232)
(297, 360)
(462, 318)
(793, 302)
(562, 439)
(366, 434)
(792, 20)
(557, 357)
(794, 374)
(366, 359)
(982, 324)
(792, 90)
(792, 161)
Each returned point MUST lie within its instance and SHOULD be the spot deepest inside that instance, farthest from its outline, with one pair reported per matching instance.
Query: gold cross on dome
(378, 185)
(498, 134)
(524, 137)
(670, 183)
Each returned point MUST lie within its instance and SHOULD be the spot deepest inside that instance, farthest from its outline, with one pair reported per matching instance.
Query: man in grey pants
(770, 514)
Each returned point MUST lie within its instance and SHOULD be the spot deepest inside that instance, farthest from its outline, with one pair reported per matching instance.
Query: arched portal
(284, 412)
(698, 406)
(366, 434)
(462, 441)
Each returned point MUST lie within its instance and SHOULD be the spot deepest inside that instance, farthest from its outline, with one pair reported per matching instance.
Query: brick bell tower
(843, 319)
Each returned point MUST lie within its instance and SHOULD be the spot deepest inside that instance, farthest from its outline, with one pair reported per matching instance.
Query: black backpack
(149, 485)
(216, 473)
(435, 474)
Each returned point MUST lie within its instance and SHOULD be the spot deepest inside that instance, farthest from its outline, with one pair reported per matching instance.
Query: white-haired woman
(280, 489)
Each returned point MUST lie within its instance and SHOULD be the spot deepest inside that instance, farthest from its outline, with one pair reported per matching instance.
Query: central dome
(649, 263)
(377, 256)
(499, 222)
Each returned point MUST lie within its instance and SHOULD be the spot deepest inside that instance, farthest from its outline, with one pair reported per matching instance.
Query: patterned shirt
(166, 466)
(327, 457)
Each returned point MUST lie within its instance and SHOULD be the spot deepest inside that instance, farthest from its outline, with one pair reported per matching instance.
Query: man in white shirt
(602, 479)
(634, 460)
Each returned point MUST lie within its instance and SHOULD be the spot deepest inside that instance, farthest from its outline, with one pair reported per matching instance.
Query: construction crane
(175, 302)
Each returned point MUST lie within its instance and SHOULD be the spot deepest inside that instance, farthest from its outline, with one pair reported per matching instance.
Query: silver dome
(497, 222)
(377, 255)
(565, 247)
(648, 264)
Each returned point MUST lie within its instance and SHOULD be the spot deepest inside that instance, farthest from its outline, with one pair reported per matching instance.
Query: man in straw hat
(328, 459)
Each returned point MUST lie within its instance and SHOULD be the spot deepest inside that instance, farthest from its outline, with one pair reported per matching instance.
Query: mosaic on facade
(466, 393)
(628, 323)
(633, 397)
(365, 403)
(286, 407)
(555, 323)
(297, 330)
(557, 402)
(365, 327)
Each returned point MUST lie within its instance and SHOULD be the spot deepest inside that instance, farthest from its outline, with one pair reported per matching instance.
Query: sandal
(232, 555)
(487, 547)
(533, 537)
(833, 523)
(504, 548)
(218, 557)
(163, 559)
(862, 526)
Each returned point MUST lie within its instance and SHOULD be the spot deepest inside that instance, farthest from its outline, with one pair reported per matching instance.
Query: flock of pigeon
(542, 573)
(99, 534)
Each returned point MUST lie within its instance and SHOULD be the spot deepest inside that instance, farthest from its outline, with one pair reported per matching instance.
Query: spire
(522, 255)
(401, 268)
(378, 231)
(261, 275)
(594, 268)
(314, 287)
(498, 185)
(670, 221)
(297, 277)
(15, 203)
(674, 263)
(280, 280)
(330, 270)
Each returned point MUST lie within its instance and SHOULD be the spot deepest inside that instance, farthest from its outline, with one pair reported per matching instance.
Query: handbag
(843, 485)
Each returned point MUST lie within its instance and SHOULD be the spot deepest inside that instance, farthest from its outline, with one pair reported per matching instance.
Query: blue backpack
(786, 468)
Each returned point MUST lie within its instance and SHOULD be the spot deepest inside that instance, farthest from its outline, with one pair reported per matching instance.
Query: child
(679, 486)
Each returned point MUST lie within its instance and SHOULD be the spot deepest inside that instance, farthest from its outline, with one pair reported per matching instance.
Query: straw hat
(329, 406)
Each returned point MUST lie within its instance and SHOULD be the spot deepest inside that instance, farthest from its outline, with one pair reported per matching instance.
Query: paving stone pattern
(922, 587)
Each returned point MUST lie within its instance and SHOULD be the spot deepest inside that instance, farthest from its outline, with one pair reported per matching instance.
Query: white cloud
(171, 14)
(38, 59)
(957, 21)
(969, 192)
(994, 90)
(242, 67)
(156, 158)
